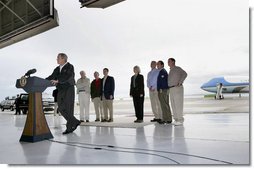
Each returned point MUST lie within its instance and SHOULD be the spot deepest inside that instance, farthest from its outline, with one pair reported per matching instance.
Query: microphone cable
(139, 149)
(74, 144)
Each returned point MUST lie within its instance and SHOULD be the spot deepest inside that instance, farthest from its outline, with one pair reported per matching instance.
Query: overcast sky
(208, 38)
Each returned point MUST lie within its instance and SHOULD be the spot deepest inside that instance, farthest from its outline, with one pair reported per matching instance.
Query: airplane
(230, 84)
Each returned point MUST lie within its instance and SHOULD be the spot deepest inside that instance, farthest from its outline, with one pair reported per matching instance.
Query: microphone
(29, 72)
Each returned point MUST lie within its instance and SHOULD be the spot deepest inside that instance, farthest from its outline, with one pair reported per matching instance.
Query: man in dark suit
(63, 78)
(108, 89)
(137, 92)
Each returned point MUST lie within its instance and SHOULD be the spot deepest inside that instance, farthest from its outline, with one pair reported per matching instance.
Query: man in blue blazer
(108, 89)
(162, 87)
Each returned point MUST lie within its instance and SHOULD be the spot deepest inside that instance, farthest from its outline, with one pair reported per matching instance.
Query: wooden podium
(36, 127)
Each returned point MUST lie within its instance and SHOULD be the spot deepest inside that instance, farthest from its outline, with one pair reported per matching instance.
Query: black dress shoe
(75, 127)
(161, 122)
(138, 121)
(81, 121)
(67, 131)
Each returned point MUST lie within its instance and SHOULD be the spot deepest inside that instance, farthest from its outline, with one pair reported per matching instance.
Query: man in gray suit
(63, 78)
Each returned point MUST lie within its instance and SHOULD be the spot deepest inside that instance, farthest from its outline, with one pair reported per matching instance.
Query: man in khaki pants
(162, 88)
(108, 89)
(152, 77)
(96, 97)
(176, 78)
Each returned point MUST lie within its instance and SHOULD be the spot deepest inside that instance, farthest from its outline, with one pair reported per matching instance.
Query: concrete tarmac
(214, 132)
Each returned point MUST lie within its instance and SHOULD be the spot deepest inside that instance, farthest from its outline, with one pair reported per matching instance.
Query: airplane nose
(202, 87)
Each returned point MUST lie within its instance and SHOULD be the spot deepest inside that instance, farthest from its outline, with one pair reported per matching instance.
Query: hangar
(21, 19)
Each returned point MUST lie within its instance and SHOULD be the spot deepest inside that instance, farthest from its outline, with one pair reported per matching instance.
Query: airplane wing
(239, 89)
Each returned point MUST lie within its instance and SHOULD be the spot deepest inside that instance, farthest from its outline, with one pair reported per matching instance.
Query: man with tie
(108, 89)
(63, 78)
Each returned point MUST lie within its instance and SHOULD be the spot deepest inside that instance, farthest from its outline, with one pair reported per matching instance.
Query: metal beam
(6, 4)
(99, 3)
(34, 7)
(12, 12)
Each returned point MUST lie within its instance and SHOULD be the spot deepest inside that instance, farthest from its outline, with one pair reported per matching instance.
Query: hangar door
(21, 19)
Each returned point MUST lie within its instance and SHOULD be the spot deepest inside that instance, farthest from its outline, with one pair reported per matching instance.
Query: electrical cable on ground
(98, 147)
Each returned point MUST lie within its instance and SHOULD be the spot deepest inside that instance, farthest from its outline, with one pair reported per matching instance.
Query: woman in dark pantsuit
(137, 92)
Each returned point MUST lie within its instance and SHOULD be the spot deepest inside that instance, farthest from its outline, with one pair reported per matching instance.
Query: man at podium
(63, 78)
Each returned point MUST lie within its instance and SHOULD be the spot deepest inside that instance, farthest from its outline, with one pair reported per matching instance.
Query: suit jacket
(138, 89)
(109, 87)
(65, 77)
